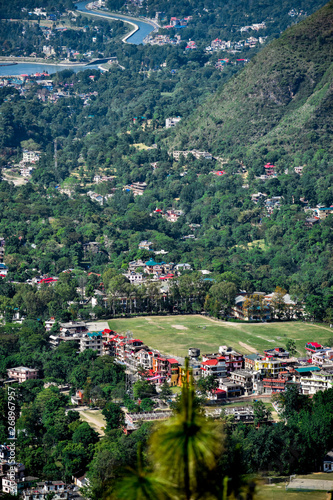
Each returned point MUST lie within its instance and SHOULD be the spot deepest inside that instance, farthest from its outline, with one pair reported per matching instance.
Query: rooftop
(304, 369)
(23, 369)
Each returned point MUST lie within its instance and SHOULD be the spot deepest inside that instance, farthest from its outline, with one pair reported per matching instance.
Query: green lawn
(173, 335)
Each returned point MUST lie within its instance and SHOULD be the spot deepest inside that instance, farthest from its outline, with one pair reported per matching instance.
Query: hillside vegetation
(281, 100)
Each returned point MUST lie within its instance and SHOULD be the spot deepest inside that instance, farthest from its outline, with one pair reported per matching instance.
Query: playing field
(173, 335)
(278, 492)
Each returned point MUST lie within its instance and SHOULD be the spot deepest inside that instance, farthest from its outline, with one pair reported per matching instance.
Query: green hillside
(281, 100)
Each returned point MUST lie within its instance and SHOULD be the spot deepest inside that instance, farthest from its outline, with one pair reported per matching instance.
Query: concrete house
(216, 367)
(92, 340)
(22, 374)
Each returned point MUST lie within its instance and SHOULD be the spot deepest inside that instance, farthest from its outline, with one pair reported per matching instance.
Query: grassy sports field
(278, 492)
(175, 334)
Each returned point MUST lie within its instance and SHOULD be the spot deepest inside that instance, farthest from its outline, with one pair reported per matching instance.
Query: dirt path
(324, 328)
(220, 321)
(94, 418)
(248, 347)
(17, 181)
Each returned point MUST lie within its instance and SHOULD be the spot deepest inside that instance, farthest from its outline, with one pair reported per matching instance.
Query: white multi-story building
(45, 489)
(30, 156)
(319, 381)
(48, 50)
(197, 154)
(245, 378)
(144, 359)
(216, 367)
(145, 245)
(26, 171)
(92, 340)
(49, 323)
(323, 357)
(134, 278)
(172, 122)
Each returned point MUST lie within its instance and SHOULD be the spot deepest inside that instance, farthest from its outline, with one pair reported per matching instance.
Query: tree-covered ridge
(218, 19)
(280, 102)
(24, 38)
(17, 9)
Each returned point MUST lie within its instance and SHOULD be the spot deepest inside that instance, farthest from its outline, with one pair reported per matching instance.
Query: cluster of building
(191, 45)
(12, 473)
(139, 270)
(30, 158)
(269, 373)
(234, 46)
(14, 481)
(260, 306)
(176, 22)
(137, 188)
(96, 197)
(2, 249)
(320, 212)
(237, 374)
(102, 178)
(253, 27)
(171, 215)
(162, 40)
(45, 90)
(76, 331)
(269, 203)
(295, 12)
(194, 152)
(270, 172)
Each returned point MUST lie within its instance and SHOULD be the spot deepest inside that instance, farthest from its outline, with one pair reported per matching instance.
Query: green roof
(305, 369)
(95, 334)
(151, 262)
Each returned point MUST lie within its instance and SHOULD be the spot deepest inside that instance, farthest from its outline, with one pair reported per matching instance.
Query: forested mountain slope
(282, 101)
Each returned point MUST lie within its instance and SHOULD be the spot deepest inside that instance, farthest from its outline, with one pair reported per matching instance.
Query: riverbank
(141, 27)
(38, 60)
(123, 17)
(110, 15)
(119, 17)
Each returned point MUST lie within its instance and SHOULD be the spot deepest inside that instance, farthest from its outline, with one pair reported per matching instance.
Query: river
(29, 68)
(143, 28)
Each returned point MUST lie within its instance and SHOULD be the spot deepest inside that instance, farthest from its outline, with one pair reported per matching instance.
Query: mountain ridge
(286, 85)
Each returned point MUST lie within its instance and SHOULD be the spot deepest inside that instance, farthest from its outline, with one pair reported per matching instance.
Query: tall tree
(187, 446)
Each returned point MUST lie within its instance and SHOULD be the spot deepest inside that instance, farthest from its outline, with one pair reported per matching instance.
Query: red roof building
(313, 346)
